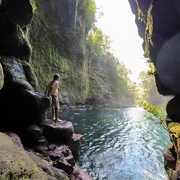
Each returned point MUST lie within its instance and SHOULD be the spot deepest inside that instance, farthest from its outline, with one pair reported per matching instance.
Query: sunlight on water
(120, 144)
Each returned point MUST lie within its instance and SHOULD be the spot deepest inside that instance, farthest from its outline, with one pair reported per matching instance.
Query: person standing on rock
(52, 92)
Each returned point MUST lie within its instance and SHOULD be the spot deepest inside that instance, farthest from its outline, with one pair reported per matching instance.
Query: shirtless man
(52, 92)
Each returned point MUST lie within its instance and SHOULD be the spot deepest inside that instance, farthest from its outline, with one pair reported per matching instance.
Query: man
(52, 92)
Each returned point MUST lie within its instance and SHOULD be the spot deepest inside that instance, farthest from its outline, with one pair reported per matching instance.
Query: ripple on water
(121, 144)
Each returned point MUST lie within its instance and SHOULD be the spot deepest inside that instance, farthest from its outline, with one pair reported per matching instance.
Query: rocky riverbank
(48, 151)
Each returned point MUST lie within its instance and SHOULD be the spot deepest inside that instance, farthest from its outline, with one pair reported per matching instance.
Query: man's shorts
(55, 101)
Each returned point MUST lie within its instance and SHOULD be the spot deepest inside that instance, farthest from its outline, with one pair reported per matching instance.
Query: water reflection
(120, 144)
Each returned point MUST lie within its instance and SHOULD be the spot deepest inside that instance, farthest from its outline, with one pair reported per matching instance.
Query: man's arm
(48, 88)
(53, 87)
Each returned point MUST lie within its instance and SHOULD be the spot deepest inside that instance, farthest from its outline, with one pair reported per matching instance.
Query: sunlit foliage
(154, 113)
(97, 42)
(65, 40)
(98, 50)
(87, 11)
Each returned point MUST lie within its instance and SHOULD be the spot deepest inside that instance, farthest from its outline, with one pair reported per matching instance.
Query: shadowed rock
(22, 108)
(21, 103)
(16, 163)
(63, 133)
(19, 11)
(13, 42)
(58, 132)
(172, 108)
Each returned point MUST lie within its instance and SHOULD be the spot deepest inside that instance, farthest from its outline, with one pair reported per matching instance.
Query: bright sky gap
(118, 22)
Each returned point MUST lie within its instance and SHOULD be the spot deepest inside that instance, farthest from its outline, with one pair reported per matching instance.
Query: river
(120, 144)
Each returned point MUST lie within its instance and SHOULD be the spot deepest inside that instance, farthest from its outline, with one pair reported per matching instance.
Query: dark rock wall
(164, 52)
(21, 103)
(22, 109)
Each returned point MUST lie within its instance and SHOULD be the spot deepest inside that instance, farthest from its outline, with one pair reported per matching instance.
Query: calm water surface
(120, 144)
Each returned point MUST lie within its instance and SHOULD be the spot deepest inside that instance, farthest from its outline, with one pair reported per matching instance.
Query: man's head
(56, 76)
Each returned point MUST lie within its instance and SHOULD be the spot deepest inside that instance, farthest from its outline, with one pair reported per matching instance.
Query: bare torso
(53, 88)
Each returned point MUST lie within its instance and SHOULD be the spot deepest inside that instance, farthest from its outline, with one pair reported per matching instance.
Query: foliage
(98, 44)
(65, 41)
(147, 19)
(148, 90)
(98, 50)
(33, 4)
(155, 113)
(87, 11)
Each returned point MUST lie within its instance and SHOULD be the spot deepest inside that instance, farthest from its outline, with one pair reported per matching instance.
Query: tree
(98, 44)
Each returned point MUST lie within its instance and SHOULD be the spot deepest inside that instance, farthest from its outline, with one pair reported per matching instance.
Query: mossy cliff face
(58, 37)
(20, 91)
(158, 24)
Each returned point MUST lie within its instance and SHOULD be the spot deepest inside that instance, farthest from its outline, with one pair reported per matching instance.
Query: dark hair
(56, 76)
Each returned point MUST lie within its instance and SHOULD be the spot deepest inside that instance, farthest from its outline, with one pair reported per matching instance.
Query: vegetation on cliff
(65, 41)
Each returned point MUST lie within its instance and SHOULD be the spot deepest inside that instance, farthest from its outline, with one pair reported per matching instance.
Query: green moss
(15, 163)
(59, 40)
(170, 174)
(147, 19)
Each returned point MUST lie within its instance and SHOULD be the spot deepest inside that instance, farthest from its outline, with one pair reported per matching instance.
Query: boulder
(58, 132)
(19, 11)
(172, 109)
(20, 96)
(15, 163)
(75, 144)
(63, 133)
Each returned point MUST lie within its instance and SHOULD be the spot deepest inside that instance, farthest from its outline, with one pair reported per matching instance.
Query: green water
(120, 144)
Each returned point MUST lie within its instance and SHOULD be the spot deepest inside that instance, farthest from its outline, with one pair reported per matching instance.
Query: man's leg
(53, 112)
(57, 111)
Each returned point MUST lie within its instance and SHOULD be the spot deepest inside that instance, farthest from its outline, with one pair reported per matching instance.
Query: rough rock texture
(48, 159)
(22, 110)
(20, 93)
(164, 51)
(13, 42)
(63, 133)
(158, 24)
(15, 163)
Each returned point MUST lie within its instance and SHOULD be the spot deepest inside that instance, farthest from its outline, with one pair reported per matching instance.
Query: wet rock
(79, 174)
(61, 157)
(169, 159)
(13, 42)
(58, 132)
(16, 163)
(75, 145)
(51, 147)
(45, 163)
(63, 164)
(60, 174)
(63, 133)
(15, 138)
(27, 105)
(172, 109)
(31, 135)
